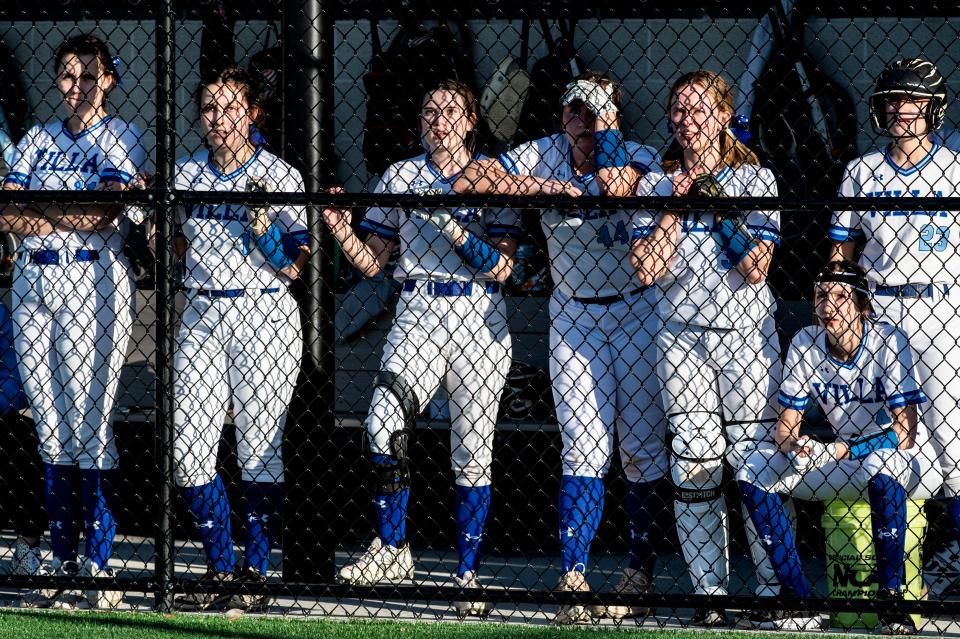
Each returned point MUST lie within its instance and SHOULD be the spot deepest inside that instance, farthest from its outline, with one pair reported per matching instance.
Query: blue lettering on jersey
(619, 234)
(860, 391)
(222, 212)
(56, 161)
(90, 166)
(899, 193)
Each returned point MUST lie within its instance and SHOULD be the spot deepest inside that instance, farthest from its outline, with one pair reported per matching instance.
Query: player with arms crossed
(912, 259)
(719, 353)
(863, 375)
(73, 308)
(601, 333)
(451, 326)
(239, 341)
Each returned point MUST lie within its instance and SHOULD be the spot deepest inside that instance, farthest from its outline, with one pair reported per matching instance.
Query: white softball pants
(73, 322)
(463, 341)
(602, 363)
(243, 352)
(932, 325)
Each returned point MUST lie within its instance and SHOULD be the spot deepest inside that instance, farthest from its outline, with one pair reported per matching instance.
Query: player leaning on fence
(719, 352)
(450, 329)
(601, 330)
(863, 375)
(911, 259)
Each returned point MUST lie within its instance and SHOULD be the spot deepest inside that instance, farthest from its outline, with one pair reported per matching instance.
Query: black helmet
(917, 78)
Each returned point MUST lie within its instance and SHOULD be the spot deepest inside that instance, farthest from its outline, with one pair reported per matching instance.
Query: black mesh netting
(419, 310)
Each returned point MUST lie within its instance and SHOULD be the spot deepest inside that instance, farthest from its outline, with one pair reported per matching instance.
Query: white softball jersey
(73, 293)
(588, 249)
(903, 246)
(702, 287)
(51, 158)
(222, 358)
(425, 253)
(456, 336)
(858, 396)
(215, 257)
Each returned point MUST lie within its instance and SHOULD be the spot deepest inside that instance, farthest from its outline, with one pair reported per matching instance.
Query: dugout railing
(314, 527)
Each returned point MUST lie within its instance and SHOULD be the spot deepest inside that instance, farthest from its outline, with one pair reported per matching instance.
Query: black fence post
(308, 540)
(164, 552)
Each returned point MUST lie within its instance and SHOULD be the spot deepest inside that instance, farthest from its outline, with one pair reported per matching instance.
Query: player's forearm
(489, 177)
(504, 268)
(651, 255)
(788, 429)
(84, 222)
(905, 425)
(293, 271)
(755, 266)
(360, 254)
(618, 181)
(80, 217)
(26, 224)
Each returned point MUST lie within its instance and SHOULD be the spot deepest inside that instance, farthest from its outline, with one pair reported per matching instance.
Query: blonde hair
(733, 152)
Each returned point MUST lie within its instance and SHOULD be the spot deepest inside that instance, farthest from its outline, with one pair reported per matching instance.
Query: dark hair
(85, 44)
(238, 76)
(733, 152)
(857, 279)
(470, 102)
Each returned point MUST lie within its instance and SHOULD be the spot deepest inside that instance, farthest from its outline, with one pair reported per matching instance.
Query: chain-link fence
(601, 321)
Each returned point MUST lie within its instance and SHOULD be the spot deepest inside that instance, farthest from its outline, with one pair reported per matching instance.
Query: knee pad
(739, 448)
(391, 473)
(403, 391)
(697, 447)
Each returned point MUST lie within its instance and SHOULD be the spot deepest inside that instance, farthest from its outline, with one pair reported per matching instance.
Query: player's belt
(448, 289)
(606, 300)
(912, 290)
(49, 256)
(230, 292)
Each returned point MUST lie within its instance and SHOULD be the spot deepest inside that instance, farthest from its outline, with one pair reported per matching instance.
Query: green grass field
(16, 624)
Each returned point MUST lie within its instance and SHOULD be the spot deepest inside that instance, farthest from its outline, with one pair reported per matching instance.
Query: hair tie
(115, 61)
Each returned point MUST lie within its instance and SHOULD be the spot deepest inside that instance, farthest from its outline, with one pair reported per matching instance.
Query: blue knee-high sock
(211, 514)
(776, 535)
(100, 525)
(471, 509)
(61, 485)
(391, 510)
(888, 516)
(644, 501)
(581, 507)
(953, 511)
(264, 504)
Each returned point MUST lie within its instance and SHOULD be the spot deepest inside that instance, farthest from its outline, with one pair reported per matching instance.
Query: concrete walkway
(134, 558)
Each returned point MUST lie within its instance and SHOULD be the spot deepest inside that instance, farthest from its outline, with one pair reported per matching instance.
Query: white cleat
(379, 563)
(573, 581)
(633, 582)
(98, 598)
(471, 608)
(65, 599)
(788, 620)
